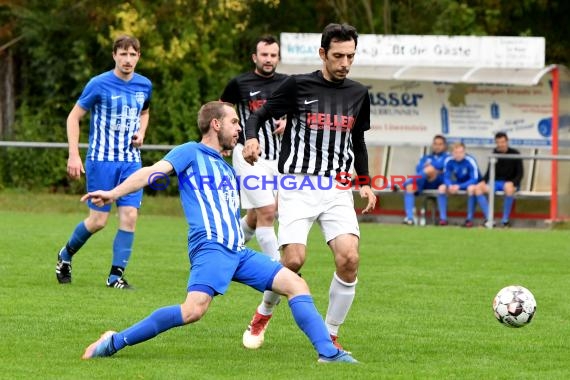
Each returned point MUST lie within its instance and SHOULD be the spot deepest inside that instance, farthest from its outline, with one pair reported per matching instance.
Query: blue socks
(122, 248)
(159, 321)
(482, 200)
(310, 321)
(409, 201)
(507, 207)
(442, 206)
(471, 203)
(76, 241)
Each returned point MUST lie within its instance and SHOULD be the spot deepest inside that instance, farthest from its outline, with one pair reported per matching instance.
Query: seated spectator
(430, 168)
(460, 173)
(508, 176)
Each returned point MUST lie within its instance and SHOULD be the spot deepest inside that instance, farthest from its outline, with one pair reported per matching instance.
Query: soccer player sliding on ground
(215, 241)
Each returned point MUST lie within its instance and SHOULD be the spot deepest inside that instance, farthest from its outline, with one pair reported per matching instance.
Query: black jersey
(507, 170)
(325, 125)
(249, 92)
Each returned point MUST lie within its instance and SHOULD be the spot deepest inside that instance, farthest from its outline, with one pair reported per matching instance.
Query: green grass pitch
(422, 309)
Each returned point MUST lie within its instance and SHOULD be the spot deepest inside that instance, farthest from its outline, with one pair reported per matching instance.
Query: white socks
(268, 242)
(341, 295)
(270, 300)
(247, 230)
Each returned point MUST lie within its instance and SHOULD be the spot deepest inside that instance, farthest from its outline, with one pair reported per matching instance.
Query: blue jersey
(433, 159)
(115, 107)
(462, 173)
(209, 195)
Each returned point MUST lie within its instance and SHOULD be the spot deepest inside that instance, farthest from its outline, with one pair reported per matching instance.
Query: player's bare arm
(74, 163)
(136, 181)
(138, 137)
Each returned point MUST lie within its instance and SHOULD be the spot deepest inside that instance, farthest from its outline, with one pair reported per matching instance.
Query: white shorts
(332, 208)
(258, 183)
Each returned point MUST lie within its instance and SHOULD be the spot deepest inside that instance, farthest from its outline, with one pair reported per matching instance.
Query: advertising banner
(407, 112)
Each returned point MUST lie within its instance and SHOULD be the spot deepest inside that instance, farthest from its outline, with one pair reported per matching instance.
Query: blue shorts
(214, 266)
(105, 175)
(500, 185)
(423, 184)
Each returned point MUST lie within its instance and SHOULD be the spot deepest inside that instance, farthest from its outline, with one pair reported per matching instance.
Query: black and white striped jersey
(249, 91)
(325, 125)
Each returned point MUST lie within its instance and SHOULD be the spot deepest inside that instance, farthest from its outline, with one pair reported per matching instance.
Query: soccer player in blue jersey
(460, 173)
(209, 196)
(430, 170)
(119, 104)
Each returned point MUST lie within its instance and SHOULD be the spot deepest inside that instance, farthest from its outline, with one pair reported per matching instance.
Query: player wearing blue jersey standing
(209, 196)
(460, 173)
(430, 170)
(119, 104)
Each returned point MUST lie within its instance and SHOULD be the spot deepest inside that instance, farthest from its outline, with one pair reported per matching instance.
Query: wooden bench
(402, 160)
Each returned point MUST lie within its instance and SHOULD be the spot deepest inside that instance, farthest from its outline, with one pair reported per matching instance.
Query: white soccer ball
(514, 306)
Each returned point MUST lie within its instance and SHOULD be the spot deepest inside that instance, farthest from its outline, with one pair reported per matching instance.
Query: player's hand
(137, 139)
(280, 125)
(99, 198)
(251, 151)
(75, 167)
(453, 188)
(367, 193)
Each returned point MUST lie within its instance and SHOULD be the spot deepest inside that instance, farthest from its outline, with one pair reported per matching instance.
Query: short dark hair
(500, 135)
(268, 39)
(440, 137)
(124, 42)
(210, 111)
(338, 32)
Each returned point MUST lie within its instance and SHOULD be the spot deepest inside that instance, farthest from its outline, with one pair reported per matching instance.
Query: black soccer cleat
(121, 283)
(63, 270)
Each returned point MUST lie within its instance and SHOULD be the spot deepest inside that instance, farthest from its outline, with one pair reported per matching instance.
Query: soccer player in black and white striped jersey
(248, 92)
(327, 115)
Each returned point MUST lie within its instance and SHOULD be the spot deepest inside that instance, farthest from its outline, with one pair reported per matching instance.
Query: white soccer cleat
(254, 336)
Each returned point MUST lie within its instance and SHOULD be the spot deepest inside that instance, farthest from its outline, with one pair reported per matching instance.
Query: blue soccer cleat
(341, 357)
(102, 347)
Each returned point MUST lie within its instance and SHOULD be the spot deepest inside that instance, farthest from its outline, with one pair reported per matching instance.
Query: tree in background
(191, 48)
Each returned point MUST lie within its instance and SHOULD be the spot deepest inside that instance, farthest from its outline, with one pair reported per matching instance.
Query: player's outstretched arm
(136, 181)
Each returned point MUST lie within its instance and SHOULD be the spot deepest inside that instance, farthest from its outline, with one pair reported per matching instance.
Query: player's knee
(95, 223)
(471, 189)
(293, 262)
(509, 188)
(192, 312)
(348, 263)
(266, 215)
(442, 189)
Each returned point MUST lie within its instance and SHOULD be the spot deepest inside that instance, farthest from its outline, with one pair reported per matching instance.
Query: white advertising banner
(411, 50)
(405, 112)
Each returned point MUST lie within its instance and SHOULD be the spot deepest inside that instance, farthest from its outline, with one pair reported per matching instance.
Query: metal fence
(493, 161)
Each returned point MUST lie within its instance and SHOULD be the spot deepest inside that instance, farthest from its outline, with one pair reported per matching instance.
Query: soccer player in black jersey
(327, 115)
(508, 178)
(249, 91)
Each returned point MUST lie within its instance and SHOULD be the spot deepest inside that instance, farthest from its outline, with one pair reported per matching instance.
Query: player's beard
(261, 69)
(228, 142)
